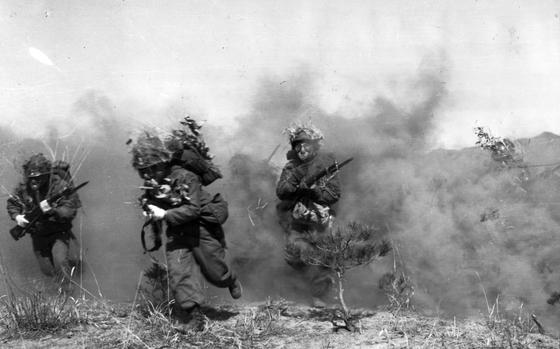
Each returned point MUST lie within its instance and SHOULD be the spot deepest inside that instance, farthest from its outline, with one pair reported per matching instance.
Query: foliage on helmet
(188, 137)
(37, 165)
(189, 149)
(148, 150)
(303, 131)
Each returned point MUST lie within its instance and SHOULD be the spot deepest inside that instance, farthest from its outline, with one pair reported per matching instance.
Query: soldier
(305, 211)
(195, 244)
(54, 244)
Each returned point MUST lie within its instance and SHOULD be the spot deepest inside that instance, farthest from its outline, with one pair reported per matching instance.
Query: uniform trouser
(187, 265)
(57, 255)
(319, 278)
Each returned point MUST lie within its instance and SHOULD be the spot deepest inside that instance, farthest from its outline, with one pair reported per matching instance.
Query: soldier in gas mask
(195, 245)
(306, 210)
(54, 244)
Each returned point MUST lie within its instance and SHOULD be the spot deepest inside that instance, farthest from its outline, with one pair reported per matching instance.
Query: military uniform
(195, 241)
(54, 244)
(301, 228)
(195, 248)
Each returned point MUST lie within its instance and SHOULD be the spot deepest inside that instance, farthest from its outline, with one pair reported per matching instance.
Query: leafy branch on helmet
(188, 137)
(189, 150)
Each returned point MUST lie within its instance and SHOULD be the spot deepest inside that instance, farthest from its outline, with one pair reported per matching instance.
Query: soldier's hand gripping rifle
(159, 195)
(18, 232)
(155, 225)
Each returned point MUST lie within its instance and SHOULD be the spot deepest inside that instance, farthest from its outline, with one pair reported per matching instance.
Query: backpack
(215, 211)
(191, 160)
(62, 169)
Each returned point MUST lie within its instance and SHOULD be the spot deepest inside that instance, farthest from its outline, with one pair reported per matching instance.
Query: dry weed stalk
(397, 285)
(258, 325)
(508, 328)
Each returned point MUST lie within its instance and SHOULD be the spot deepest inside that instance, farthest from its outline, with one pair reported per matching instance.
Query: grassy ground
(271, 324)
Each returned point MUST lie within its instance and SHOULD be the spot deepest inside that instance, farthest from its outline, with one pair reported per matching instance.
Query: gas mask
(305, 151)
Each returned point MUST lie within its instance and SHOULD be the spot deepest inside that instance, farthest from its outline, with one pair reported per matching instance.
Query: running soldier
(195, 245)
(54, 244)
(305, 209)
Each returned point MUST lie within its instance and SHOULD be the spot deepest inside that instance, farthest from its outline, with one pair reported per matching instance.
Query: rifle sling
(143, 237)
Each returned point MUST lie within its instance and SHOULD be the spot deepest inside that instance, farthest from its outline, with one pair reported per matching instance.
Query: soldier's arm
(190, 209)
(14, 205)
(288, 183)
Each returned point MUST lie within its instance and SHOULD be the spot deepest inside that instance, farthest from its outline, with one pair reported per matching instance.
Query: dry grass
(397, 285)
(510, 329)
(37, 311)
(46, 320)
(37, 308)
(273, 324)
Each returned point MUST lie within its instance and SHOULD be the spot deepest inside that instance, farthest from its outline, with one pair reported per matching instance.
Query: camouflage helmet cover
(37, 165)
(304, 132)
(148, 151)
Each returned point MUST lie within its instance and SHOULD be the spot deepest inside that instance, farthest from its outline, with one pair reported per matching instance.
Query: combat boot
(236, 290)
(191, 321)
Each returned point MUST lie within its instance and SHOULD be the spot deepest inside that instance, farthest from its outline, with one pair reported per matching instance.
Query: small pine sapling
(340, 249)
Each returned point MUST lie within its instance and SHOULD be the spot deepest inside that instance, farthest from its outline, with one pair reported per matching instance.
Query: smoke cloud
(459, 221)
(469, 231)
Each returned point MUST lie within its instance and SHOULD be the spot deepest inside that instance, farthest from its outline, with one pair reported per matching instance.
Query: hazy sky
(500, 60)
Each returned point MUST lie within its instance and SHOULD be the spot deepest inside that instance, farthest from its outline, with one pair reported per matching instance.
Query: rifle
(159, 195)
(332, 169)
(18, 232)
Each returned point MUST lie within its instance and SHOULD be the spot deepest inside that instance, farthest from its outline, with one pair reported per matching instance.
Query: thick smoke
(383, 142)
(460, 221)
(92, 140)
(469, 232)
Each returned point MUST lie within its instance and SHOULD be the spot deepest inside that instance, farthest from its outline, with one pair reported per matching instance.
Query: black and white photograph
(280, 174)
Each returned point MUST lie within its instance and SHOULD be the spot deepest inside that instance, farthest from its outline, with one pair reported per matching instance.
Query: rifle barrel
(340, 164)
(332, 168)
(66, 191)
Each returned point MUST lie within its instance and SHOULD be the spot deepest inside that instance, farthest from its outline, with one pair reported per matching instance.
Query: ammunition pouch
(311, 213)
(17, 232)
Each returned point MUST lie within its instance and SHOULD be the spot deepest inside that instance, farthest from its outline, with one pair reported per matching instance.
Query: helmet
(148, 151)
(37, 165)
(304, 133)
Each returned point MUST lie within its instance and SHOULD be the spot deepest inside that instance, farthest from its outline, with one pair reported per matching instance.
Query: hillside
(278, 324)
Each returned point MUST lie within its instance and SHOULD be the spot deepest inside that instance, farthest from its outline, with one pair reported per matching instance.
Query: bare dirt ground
(272, 324)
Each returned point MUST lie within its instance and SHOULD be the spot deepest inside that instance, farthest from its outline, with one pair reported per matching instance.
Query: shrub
(341, 249)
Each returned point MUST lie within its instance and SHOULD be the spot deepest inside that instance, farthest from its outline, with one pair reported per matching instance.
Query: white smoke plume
(386, 82)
